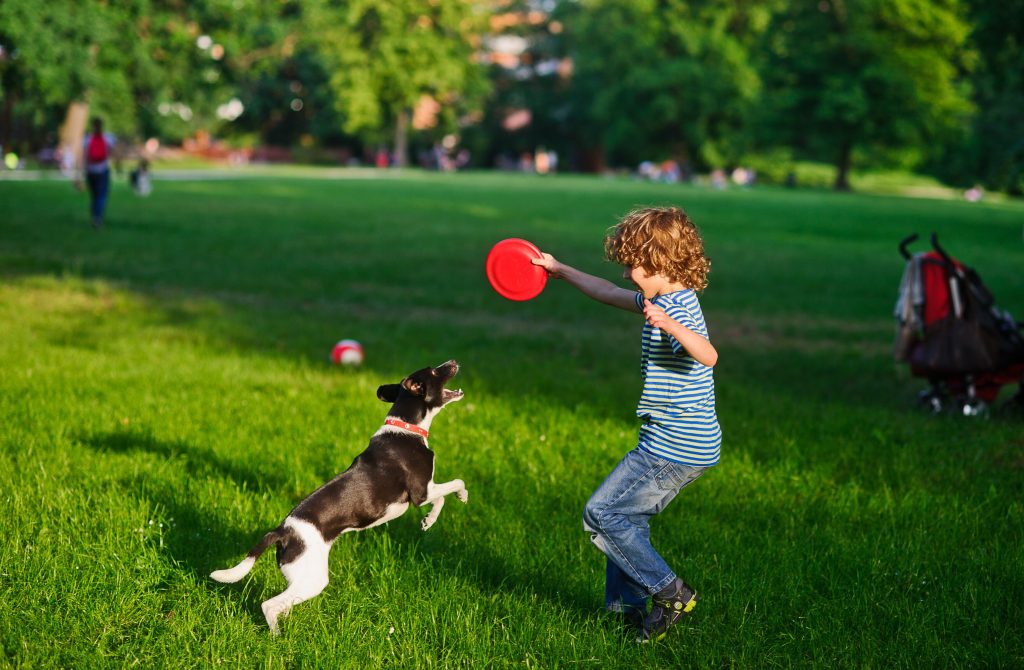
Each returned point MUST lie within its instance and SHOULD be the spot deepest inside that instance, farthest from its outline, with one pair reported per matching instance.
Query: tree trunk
(843, 167)
(681, 152)
(402, 139)
(591, 159)
(681, 155)
(72, 134)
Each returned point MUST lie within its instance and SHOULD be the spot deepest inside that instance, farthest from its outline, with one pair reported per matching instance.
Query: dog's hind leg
(305, 569)
(309, 583)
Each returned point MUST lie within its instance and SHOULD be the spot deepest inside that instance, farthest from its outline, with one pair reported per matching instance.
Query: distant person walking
(96, 156)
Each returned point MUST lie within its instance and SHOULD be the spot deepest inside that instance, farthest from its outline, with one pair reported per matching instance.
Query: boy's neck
(668, 287)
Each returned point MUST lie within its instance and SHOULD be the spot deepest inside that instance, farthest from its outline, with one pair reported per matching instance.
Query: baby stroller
(951, 333)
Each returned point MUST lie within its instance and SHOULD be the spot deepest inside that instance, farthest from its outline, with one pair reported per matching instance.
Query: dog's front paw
(427, 523)
(462, 495)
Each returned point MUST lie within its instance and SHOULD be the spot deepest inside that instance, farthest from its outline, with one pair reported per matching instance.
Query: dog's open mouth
(451, 396)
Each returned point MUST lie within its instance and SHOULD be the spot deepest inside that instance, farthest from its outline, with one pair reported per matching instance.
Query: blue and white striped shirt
(677, 405)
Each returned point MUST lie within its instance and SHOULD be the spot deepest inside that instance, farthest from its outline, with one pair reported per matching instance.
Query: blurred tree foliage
(848, 75)
(665, 78)
(387, 56)
(146, 66)
(323, 70)
(990, 149)
(934, 85)
(533, 86)
(64, 50)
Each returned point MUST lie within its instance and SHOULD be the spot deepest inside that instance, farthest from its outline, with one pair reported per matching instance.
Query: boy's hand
(656, 316)
(696, 345)
(548, 262)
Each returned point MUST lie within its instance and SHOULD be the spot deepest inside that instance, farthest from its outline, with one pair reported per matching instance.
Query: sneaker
(668, 607)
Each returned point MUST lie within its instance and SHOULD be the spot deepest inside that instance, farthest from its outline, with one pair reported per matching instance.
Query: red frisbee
(510, 271)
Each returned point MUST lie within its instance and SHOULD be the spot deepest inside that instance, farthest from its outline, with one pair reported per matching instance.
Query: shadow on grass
(201, 544)
(197, 461)
(494, 571)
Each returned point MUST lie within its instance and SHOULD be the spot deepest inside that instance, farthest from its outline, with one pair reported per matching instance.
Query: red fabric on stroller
(935, 280)
(936, 288)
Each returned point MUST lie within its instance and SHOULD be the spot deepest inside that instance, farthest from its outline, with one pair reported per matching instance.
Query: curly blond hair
(661, 240)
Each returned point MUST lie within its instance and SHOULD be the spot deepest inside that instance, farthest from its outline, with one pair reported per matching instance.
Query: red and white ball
(347, 352)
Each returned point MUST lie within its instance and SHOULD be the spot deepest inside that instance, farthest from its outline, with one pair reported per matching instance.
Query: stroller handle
(909, 239)
(951, 265)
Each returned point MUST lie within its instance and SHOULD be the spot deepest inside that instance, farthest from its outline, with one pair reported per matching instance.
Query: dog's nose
(451, 367)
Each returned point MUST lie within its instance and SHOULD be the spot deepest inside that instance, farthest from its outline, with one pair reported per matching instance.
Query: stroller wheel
(975, 408)
(931, 400)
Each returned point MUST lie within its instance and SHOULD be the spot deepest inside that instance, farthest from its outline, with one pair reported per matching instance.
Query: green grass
(165, 398)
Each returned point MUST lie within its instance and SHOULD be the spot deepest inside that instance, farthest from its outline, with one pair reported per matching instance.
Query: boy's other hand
(655, 315)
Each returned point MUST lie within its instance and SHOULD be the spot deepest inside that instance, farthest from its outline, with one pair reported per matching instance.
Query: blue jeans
(99, 187)
(617, 517)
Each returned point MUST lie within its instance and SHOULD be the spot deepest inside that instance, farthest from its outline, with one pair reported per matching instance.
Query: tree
(386, 55)
(661, 78)
(146, 66)
(530, 73)
(123, 58)
(843, 75)
(56, 55)
(998, 140)
(288, 101)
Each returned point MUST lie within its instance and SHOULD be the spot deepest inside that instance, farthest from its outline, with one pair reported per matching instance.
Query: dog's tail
(232, 575)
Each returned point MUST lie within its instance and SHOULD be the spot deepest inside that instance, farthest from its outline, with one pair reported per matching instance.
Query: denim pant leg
(621, 592)
(618, 514)
(99, 187)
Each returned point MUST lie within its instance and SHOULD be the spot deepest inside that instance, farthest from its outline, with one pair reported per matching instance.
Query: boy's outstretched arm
(597, 288)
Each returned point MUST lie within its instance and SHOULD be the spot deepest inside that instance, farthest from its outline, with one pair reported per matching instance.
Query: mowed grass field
(166, 398)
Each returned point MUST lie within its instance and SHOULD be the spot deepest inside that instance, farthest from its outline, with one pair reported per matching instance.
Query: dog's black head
(421, 395)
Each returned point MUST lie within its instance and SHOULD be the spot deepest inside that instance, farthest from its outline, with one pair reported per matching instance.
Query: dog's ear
(412, 386)
(388, 392)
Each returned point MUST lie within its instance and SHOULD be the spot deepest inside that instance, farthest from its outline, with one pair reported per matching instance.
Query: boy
(680, 437)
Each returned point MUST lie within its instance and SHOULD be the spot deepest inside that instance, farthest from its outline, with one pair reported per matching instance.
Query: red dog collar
(391, 421)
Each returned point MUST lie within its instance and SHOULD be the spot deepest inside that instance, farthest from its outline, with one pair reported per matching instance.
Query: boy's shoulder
(686, 297)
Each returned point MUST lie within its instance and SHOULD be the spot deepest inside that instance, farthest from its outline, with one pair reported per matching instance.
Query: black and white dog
(395, 470)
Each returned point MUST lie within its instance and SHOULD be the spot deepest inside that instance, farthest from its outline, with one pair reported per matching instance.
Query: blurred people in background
(541, 163)
(718, 179)
(526, 162)
(140, 179)
(745, 177)
(974, 194)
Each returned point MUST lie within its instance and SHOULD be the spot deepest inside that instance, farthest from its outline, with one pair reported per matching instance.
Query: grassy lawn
(166, 398)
